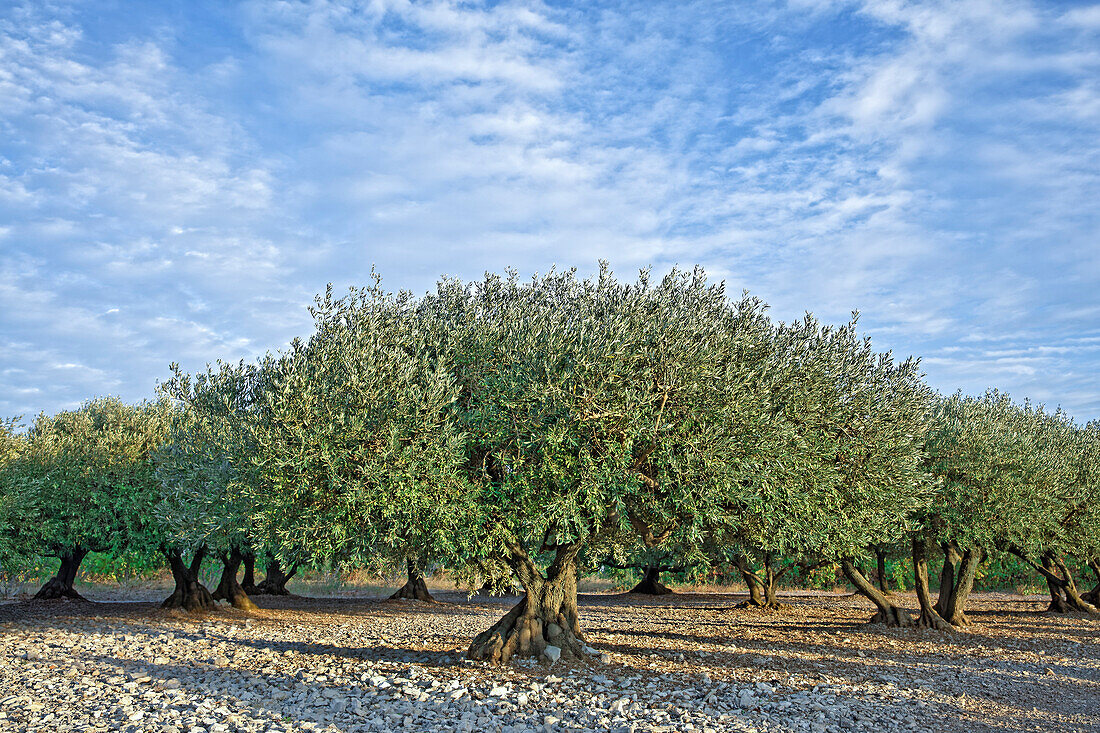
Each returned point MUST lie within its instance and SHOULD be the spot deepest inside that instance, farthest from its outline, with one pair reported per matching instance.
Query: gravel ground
(689, 662)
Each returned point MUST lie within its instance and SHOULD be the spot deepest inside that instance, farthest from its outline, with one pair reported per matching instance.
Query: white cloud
(932, 164)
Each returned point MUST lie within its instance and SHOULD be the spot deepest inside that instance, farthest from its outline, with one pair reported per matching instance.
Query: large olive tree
(596, 410)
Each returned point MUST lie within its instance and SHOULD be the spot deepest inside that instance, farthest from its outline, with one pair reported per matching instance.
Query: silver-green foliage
(357, 453)
(84, 478)
(204, 468)
(1013, 476)
(562, 410)
(845, 468)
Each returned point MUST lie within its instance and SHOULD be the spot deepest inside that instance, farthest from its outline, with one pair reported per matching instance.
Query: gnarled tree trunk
(1059, 603)
(415, 589)
(61, 584)
(275, 580)
(929, 616)
(189, 593)
(763, 591)
(956, 584)
(650, 584)
(1064, 596)
(1063, 591)
(753, 584)
(248, 582)
(880, 572)
(888, 613)
(228, 588)
(546, 617)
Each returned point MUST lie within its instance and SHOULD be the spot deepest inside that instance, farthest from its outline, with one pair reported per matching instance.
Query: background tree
(204, 475)
(15, 505)
(843, 469)
(1087, 534)
(88, 475)
(1004, 473)
(1064, 509)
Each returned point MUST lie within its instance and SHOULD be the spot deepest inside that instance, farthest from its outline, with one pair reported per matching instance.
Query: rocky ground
(675, 663)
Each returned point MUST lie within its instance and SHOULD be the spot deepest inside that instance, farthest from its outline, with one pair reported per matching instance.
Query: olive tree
(1006, 473)
(597, 411)
(204, 475)
(88, 480)
(358, 458)
(16, 506)
(1065, 513)
(845, 470)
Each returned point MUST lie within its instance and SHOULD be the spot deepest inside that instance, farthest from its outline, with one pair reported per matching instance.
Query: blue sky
(178, 179)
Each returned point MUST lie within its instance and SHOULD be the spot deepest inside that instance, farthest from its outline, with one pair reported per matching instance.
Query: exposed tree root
(546, 617)
(525, 632)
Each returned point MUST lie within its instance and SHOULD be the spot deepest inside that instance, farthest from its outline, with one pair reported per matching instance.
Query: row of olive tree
(550, 426)
(124, 479)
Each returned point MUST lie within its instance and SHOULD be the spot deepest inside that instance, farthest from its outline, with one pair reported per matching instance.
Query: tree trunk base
(271, 589)
(1068, 604)
(414, 590)
(228, 588)
(888, 613)
(274, 582)
(960, 620)
(650, 584)
(55, 588)
(189, 594)
(61, 584)
(522, 632)
(193, 600)
(894, 617)
(233, 592)
(933, 621)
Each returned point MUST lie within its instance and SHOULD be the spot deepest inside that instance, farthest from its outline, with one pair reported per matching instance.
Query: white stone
(552, 653)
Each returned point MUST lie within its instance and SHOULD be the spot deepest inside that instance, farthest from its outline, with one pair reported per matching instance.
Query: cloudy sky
(178, 179)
